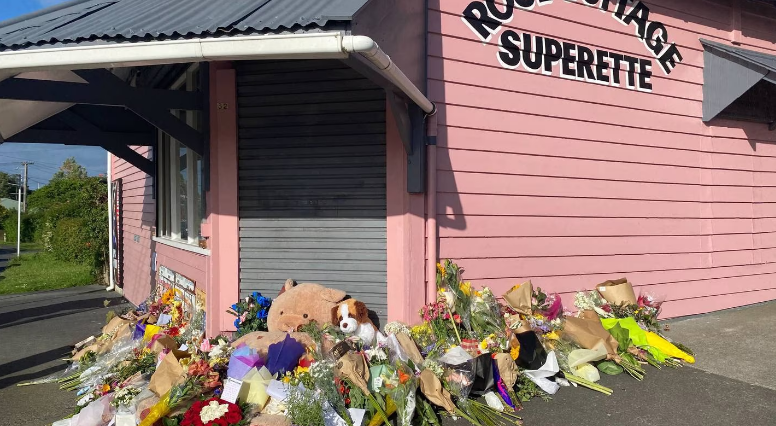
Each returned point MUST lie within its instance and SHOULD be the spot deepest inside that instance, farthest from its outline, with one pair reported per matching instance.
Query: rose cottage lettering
(571, 60)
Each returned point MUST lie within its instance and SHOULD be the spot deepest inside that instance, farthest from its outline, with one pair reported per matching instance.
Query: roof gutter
(327, 45)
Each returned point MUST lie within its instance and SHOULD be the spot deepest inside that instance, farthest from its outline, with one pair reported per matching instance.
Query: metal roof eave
(728, 72)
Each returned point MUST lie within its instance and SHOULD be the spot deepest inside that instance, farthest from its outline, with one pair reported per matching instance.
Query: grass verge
(41, 271)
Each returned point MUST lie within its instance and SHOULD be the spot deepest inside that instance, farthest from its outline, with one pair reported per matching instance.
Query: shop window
(180, 200)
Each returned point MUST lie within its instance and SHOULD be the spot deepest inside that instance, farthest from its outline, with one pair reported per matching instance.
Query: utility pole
(19, 225)
(24, 184)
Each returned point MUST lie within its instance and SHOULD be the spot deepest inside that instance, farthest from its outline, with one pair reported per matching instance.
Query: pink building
(566, 142)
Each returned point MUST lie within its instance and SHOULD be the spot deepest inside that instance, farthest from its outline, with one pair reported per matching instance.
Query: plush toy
(352, 317)
(297, 305)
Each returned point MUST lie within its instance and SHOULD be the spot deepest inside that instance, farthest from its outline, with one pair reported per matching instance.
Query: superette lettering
(536, 53)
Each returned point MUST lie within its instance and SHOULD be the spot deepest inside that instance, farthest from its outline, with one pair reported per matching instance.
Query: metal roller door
(312, 179)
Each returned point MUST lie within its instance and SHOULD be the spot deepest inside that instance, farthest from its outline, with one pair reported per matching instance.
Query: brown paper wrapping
(507, 369)
(617, 292)
(520, 298)
(168, 374)
(588, 332)
(116, 329)
(410, 348)
(431, 387)
(162, 343)
(352, 366)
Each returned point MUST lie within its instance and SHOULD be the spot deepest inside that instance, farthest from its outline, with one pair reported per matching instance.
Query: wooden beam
(69, 137)
(80, 93)
(160, 117)
(132, 157)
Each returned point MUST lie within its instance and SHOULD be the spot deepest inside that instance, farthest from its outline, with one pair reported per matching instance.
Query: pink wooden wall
(139, 218)
(570, 183)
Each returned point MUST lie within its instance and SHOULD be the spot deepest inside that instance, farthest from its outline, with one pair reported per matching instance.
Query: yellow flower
(540, 317)
(466, 288)
(515, 352)
(441, 270)
(478, 293)
(105, 388)
(301, 370)
(484, 344)
(553, 335)
(168, 296)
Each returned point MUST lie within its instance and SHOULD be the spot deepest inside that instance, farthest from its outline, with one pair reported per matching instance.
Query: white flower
(449, 297)
(396, 327)
(376, 354)
(213, 411)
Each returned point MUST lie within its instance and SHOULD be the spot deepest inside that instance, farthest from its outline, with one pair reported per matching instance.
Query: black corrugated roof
(763, 59)
(117, 20)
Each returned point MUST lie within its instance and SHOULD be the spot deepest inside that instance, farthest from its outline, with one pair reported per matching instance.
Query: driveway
(38, 330)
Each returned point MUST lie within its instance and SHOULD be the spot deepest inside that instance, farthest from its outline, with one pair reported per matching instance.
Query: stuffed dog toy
(352, 317)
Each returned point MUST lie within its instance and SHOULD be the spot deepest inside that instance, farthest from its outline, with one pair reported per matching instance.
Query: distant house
(9, 203)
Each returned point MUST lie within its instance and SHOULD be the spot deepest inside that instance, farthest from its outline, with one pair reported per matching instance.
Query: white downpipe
(111, 216)
(19, 225)
(327, 45)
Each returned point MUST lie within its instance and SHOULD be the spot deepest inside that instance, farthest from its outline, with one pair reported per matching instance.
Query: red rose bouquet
(212, 412)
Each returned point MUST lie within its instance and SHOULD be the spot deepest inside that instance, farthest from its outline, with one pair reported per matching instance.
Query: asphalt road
(733, 383)
(37, 330)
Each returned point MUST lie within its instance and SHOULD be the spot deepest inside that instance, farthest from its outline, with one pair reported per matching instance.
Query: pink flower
(205, 346)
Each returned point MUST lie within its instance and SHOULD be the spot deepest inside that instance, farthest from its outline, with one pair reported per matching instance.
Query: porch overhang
(90, 63)
(729, 72)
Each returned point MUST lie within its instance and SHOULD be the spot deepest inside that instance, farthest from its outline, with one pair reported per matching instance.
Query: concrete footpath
(37, 330)
(733, 382)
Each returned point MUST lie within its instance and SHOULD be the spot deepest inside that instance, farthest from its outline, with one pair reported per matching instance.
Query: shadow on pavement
(31, 362)
(28, 315)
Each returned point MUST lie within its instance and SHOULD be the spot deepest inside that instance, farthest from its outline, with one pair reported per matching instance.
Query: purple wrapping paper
(242, 360)
(139, 331)
(502, 389)
(284, 355)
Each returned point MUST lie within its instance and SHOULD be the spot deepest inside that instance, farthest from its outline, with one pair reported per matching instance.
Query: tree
(8, 184)
(70, 169)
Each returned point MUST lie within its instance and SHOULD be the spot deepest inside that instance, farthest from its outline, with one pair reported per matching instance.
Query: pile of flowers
(472, 355)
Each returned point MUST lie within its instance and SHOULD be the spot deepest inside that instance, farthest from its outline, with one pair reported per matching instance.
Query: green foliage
(7, 185)
(70, 219)
(71, 242)
(4, 214)
(70, 169)
(10, 227)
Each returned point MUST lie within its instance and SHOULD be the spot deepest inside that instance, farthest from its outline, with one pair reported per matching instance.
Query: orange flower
(403, 377)
(105, 388)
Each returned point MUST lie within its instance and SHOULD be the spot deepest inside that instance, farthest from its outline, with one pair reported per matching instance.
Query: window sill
(181, 245)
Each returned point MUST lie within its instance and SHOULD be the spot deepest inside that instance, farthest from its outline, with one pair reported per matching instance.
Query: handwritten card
(231, 390)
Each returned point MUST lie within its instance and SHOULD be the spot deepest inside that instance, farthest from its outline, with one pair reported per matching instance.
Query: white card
(125, 419)
(231, 390)
(277, 389)
(184, 347)
(163, 319)
(357, 415)
(378, 382)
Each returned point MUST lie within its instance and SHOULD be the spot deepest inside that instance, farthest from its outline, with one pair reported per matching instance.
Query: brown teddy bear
(297, 305)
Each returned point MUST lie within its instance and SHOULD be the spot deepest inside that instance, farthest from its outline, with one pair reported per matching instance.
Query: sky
(47, 157)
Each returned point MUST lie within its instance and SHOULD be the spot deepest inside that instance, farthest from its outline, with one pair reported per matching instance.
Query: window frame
(168, 211)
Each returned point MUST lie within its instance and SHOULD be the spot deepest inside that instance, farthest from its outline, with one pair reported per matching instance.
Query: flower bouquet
(213, 412)
(251, 313)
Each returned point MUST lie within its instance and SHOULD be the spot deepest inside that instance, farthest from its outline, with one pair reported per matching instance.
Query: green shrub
(28, 228)
(72, 242)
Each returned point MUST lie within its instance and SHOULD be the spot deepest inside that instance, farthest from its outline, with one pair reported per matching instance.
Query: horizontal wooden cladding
(518, 205)
(503, 102)
(685, 102)
(686, 22)
(549, 247)
(521, 226)
(466, 51)
(722, 154)
(576, 282)
(576, 125)
(537, 24)
(673, 309)
(495, 184)
(533, 165)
